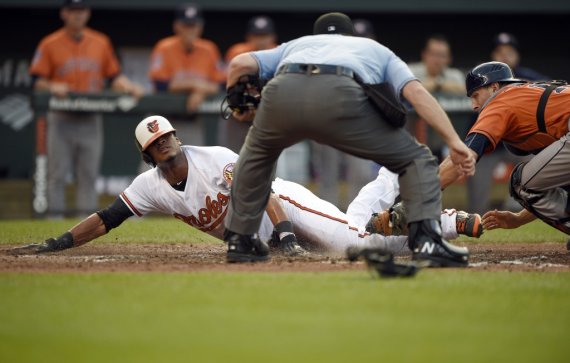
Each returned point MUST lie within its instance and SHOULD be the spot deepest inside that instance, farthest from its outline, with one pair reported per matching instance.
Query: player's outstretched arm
(450, 173)
(427, 107)
(506, 219)
(85, 231)
(94, 226)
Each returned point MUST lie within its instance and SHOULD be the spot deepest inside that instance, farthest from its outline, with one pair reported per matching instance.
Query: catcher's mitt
(243, 96)
(391, 222)
(383, 262)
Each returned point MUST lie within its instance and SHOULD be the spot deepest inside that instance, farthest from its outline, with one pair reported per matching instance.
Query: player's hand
(500, 219)
(136, 90)
(49, 245)
(244, 116)
(463, 158)
(59, 90)
(194, 101)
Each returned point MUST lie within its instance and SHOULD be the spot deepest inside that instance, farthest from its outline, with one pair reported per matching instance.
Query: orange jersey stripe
(307, 209)
(131, 206)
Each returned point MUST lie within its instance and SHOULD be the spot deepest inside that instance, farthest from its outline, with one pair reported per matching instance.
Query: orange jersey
(240, 48)
(510, 116)
(82, 64)
(213, 48)
(171, 61)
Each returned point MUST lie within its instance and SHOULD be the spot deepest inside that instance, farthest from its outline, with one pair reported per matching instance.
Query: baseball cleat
(469, 224)
(243, 248)
(427, 245)
(292, 248)
(391, 222)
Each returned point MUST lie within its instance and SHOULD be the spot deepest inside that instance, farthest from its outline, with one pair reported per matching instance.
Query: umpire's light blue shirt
(373, 62)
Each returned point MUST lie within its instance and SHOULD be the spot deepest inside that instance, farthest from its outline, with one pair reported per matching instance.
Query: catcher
(193, 184)
(529, 118)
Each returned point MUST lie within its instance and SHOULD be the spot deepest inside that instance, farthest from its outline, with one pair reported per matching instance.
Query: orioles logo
(209, 217)
(152, 126)
(229, 172)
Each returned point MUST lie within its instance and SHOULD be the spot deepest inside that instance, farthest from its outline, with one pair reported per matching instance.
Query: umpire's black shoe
(242, 248)
(428, 245)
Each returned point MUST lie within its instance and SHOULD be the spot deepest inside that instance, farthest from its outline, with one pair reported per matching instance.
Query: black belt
(310, 69)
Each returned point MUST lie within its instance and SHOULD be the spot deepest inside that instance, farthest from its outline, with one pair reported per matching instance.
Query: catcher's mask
(147, 131)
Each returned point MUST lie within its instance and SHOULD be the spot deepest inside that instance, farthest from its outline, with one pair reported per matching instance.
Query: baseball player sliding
(193, 183)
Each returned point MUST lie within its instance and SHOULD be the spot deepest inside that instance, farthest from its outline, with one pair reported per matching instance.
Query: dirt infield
(160, 257)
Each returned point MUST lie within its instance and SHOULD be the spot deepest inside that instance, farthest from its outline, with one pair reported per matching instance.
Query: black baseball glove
(243, 96)
(49, 245)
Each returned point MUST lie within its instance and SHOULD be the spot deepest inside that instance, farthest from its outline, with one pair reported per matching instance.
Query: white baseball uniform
(203, 203)
(380, 194)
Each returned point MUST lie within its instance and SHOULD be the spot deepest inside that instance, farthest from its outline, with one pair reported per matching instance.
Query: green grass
(439, 316)
(146, 230)
(170, 230)
(534, 232)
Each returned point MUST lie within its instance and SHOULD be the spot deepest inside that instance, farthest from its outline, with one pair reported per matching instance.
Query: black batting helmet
(487, 73)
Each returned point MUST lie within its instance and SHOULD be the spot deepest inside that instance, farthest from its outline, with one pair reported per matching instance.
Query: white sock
(448, 224)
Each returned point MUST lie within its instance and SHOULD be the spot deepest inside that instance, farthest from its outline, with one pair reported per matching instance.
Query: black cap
(363, 28)
(189, 14)
(505, 39)
(260, 25)
(75, 4)
(333, 23)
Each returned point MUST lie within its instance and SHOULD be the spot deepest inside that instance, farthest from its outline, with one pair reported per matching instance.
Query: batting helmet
(487, 73)
(147, 131)
(150, 129)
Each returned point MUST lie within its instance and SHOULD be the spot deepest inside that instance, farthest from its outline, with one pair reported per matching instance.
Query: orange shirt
(171, 61)
(82, 64)
(240, 48)
(213, 48)
(510, 116)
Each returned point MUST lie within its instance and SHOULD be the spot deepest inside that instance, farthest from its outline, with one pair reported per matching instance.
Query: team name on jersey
(79, 64)
(209, 217)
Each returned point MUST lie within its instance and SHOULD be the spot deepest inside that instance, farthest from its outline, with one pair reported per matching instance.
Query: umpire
(313, 94)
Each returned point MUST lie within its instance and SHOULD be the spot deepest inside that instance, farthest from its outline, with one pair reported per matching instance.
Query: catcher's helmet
(150, 129)
(487, 73)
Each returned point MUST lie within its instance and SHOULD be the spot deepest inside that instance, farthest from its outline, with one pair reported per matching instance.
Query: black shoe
(427, 245)
(242, 248)
(290, 246)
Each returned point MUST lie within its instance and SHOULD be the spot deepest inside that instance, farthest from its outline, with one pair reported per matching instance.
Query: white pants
(323, 225)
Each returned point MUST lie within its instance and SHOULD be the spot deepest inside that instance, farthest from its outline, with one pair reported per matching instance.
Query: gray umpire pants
(75, 147)
(332, 110)
(544, 184)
